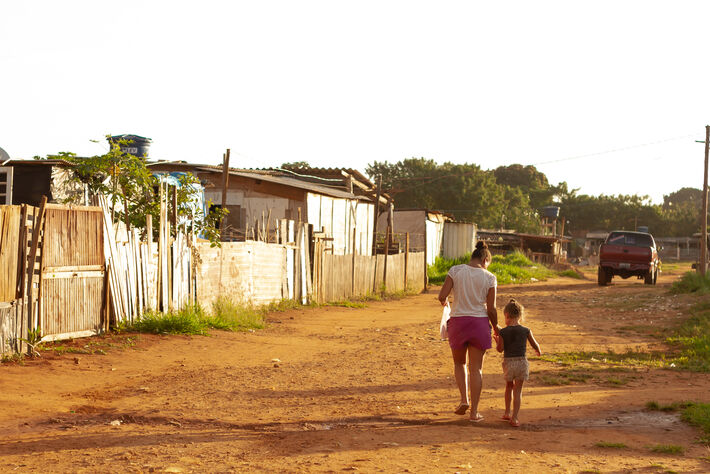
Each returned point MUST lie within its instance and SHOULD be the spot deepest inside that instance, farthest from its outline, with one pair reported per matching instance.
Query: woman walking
(473, 313)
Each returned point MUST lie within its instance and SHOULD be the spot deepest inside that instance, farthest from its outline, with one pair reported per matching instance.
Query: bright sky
(342, 84)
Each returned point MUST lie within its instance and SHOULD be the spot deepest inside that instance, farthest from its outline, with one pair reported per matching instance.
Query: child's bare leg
(475, 364)
(508, 398)
(459, 356)
(517, 395)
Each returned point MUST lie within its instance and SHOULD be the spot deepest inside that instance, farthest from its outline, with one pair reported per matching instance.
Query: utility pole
(225, 185)
(704, 243)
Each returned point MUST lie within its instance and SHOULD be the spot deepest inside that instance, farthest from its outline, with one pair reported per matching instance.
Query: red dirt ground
(356, 390)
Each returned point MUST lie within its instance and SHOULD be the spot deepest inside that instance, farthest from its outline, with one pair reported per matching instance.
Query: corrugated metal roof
(270, 176)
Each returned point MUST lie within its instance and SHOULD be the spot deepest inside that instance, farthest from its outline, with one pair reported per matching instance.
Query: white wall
(459, 239)
(338, 217)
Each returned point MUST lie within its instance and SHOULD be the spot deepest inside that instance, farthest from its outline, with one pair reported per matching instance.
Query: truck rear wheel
(648, 279)
(603, 277)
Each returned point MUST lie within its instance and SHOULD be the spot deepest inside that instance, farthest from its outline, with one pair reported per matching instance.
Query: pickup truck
(627, 254)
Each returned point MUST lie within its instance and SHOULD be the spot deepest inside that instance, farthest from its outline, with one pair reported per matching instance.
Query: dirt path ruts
(356, 389)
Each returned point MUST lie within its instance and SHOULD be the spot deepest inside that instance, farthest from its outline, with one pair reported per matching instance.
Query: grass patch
(348, 304)
(693, 339)
(667, 449)
(605, 444)
(437, 272)
(698, 414)
(571, 274)
(226, 315)
(566, 378)
(511, 268)
(229, 315)
(629, 358)
(692, 282)
(185, 321)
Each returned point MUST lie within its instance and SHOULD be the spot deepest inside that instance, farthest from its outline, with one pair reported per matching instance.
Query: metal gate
(72, 289)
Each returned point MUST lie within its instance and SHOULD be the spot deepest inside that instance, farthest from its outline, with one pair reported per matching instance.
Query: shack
(424, 226)
(545, 249)
(258, 199)
(32, 179)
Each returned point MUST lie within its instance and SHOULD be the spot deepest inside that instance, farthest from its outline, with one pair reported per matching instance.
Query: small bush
(229, 315)
(668, 449)
(605, 444)
(692, 282)
(571, 274)
(185, 321)
(698, 414)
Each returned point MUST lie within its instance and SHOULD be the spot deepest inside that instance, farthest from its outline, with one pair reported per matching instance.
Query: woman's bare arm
(491, 309)
(445, 290)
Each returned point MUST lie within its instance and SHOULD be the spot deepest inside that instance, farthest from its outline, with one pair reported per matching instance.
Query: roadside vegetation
(511, 268)
(226, 315)
(697, 414)
(692, 282)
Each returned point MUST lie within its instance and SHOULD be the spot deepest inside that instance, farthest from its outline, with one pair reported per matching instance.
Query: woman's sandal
(478, 418)
(461, 410)
(514, 424)
(505, 417)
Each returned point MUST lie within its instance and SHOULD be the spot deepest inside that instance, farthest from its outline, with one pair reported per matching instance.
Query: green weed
(692, 282)
(230, 315)
(698, 414)
(511, 268)
(571, 274)
(667, 449)
(189, 320)
(605, 444)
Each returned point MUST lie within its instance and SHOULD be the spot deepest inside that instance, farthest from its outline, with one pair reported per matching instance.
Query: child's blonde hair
(514, 310)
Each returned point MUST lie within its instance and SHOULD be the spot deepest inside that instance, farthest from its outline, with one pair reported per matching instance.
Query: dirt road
(356, 389)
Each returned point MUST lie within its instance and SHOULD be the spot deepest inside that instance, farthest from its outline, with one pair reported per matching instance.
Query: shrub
(692, 282)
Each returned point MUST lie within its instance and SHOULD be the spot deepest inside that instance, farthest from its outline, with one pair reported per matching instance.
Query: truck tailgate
(625, 253)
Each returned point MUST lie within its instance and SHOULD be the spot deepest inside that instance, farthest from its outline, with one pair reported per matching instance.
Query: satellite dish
(4, 157)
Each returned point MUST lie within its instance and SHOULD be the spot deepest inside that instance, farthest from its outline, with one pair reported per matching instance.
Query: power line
(615, 150)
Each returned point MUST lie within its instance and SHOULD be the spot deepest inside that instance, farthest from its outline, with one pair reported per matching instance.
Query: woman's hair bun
(481, 245)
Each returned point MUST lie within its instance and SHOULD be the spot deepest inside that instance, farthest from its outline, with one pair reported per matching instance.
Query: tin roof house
(336, 202)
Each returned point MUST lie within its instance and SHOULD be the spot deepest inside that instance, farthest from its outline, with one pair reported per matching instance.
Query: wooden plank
(71, 274)
(31, 262)
(74, 268)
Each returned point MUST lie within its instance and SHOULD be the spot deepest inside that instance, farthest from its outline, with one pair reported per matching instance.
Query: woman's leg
(475, 365)
(459, 356)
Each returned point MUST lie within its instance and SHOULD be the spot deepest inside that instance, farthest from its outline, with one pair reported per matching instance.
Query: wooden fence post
(352, 289)
(406, 259)
(31, 262)
(387, 252)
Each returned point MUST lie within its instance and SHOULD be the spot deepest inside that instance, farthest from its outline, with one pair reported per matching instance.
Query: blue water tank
(135, 144)
(552, 212)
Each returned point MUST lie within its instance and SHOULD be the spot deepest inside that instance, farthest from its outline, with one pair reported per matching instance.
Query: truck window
(636, 240)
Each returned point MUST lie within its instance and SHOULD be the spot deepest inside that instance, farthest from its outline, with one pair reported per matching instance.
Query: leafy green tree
(295, 165)
(125, 179)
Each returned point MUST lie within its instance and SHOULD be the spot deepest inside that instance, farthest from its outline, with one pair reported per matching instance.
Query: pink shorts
(469, 331)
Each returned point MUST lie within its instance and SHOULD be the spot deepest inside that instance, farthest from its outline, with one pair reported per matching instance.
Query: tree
(295, 165)
(126, 181)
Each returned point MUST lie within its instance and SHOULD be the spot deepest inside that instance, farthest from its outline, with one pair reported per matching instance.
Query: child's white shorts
(516, 368)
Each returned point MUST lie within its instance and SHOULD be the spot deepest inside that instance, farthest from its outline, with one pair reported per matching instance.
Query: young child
(512, 341)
